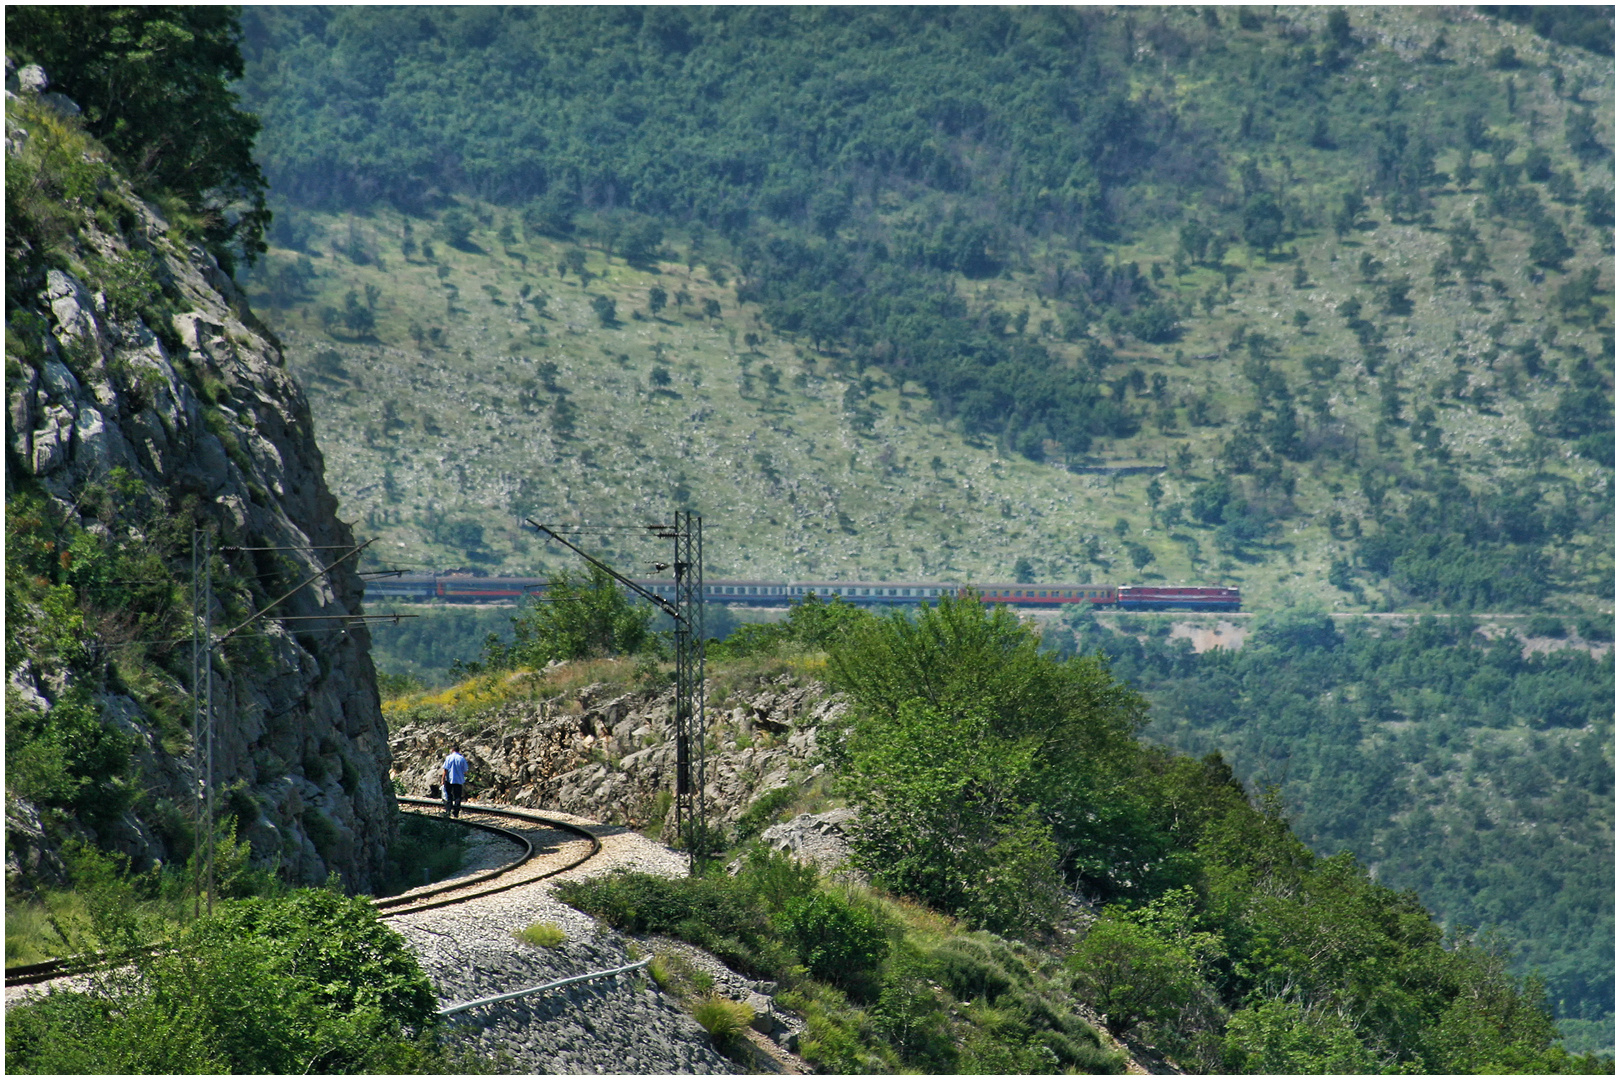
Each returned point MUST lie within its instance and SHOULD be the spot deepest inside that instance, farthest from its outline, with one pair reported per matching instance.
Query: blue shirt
(455, 767)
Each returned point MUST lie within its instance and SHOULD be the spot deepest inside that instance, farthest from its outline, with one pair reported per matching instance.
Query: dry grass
(484, 692)
(724, 1020)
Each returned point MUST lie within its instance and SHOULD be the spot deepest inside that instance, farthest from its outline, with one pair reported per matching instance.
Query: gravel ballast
(619, 1024)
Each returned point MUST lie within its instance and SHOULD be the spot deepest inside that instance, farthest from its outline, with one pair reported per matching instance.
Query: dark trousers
(452, 799)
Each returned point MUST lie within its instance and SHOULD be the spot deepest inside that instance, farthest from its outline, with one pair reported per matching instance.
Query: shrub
(66, 757)
(1545, 626)
(1596, 628)
(839, 939)
(712, 913)
(310, 982)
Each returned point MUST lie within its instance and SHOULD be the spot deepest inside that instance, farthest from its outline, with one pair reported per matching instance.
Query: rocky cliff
(610, 755)
(145, 401)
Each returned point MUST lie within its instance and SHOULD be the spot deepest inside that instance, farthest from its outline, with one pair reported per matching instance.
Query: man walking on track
(454, 775)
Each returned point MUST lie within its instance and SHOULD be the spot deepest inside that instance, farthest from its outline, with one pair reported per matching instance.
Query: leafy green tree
(641, 244)
(944, 817)
(657, 299)
(551, 214)
(1548, 245)
(1151, 965)
(1284, 1036)
(578, 617)
(1262, 222)
(607, 310)
(456, 227)
(157, 86)
(977, 760)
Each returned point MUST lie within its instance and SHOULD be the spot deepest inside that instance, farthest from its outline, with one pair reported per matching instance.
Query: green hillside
(1378, 375)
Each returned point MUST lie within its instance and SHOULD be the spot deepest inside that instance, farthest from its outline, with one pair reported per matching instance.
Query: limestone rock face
(197, 414)
(611, 756)
(821, 840)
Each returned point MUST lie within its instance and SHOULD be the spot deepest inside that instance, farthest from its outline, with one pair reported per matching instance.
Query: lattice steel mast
(691, 774)
(690, 729)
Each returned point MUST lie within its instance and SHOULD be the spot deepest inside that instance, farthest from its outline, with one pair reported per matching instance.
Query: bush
(310, 982)
(1148, 966)
(66, 757)
(1596, 628)
(712, 913)
(1545, 626)
(839, 939)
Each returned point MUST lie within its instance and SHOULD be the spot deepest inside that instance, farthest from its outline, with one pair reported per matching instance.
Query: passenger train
(472, 589)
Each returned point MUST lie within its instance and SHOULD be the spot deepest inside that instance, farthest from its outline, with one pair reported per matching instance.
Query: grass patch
(31, 934)
(723, 1019)
(545, 935)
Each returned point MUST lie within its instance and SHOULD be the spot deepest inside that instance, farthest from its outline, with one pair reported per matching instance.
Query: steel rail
(520, 815)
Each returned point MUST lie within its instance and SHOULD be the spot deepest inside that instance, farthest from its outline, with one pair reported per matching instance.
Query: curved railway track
(520, 871)
(510, 876)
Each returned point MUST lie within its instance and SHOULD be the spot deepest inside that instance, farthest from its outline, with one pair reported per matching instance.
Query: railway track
(543, 855)
(514, 874)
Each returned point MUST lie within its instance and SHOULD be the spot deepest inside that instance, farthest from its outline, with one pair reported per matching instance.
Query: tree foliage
(157, 88)
(1475, 774)
(579, 616)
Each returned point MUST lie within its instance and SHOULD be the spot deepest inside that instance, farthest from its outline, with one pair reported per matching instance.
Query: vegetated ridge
(1005, 887)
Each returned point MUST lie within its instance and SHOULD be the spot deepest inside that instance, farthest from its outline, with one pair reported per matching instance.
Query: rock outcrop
(821, 840)
(142, 395)
(611, 756)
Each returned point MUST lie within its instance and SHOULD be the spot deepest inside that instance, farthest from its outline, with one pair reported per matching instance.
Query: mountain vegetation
(1148, 884)
(868, 286)
(1451, 762)
(1364, 329)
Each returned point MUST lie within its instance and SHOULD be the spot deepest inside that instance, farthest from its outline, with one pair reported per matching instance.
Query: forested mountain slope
(1445, 755)
(1347, 278)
